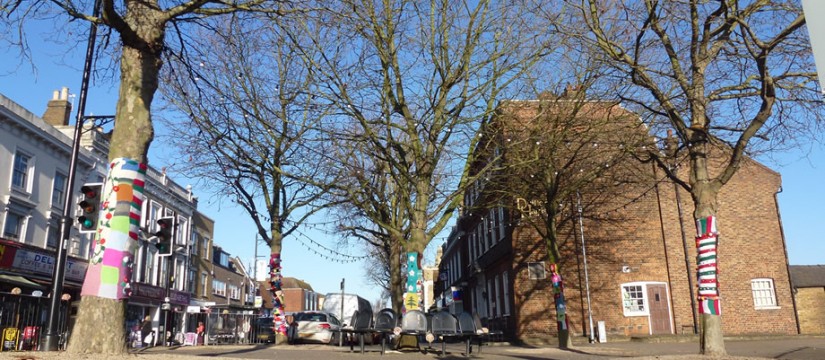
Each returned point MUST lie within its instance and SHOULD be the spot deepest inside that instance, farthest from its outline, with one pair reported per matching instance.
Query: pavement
(799, 347)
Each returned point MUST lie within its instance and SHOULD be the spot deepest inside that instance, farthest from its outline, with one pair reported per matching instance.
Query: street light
(255, 261)
(584, 255)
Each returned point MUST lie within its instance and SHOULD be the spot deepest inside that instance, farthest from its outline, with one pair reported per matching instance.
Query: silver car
(315, 326)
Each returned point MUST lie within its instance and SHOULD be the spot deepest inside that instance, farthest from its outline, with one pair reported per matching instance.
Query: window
(501, 227)
(234, 292)
(179, 275)
(480, 237)
(223, 259)
(180, 231)
(204, 279)
(53, 232)
(154, 215)
(505, 284)
(205, 245)
(218, 287)
(497, 296)
(490, 299)
(486, 230)
(150, 269)
(14, 226)
(536, 270)
(59, 190)
(764, 296)
(472, 244)
(633, 299)
(190, 281)
(21, 173)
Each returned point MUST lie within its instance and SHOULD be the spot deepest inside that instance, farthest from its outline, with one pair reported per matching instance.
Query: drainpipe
(584, 256)
(687, 260)
(787, 261)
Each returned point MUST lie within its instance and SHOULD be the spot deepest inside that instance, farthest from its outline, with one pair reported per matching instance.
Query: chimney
(59, 108)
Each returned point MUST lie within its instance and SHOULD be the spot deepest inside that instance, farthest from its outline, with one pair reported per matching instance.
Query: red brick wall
(294, 300)
(645, 235)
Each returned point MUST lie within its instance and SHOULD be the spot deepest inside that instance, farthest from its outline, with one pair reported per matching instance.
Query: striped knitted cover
(706, 269)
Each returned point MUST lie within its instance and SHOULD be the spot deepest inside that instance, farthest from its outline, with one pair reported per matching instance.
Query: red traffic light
(89, 192)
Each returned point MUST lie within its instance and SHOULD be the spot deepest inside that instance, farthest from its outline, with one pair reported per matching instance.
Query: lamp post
(51, 338)
(584, 255)
(255, 261)
(341, 333)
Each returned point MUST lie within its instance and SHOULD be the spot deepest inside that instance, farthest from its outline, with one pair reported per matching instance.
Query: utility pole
(170, 264)
(51, 338)
(341, 333)
(584, 255)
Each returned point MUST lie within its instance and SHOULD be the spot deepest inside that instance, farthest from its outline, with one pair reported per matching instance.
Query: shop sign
(40, 263)
(178, 297)
(147, 291)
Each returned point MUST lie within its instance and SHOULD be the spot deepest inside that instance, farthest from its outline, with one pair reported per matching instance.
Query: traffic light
(165, 235)
(89, 207)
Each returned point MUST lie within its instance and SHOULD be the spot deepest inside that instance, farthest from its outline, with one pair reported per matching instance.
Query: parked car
(315, 326)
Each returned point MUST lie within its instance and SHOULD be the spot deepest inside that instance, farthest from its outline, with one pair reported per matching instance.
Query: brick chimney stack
(59, 108)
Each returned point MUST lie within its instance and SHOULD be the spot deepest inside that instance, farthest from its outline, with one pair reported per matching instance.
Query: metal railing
(23, 321)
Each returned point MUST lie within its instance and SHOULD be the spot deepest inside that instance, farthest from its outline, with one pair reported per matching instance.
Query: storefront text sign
(44, 264)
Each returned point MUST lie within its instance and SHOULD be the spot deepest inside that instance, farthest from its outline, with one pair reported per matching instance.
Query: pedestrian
(201, 332)
(292, 330)
(146, 332)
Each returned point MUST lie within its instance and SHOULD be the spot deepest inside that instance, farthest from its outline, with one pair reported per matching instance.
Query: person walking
(146, 333)
(201, 332)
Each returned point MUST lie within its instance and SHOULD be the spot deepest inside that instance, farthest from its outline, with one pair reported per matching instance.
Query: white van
(352, 302)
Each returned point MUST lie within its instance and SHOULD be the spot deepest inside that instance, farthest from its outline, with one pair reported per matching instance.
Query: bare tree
(371, 210)
(417, 79)
(141, 27)
(731, 78)
(252, 129)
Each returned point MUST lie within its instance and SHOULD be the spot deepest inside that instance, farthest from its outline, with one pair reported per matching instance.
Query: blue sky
(801, 201)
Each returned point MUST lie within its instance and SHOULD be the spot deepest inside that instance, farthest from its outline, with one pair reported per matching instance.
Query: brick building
(298, 296)
(809, 286)
(638, 237)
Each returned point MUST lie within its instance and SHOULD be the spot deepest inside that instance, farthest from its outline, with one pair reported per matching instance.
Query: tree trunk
(704, 193)
(396, 280)
(551, 242)
(99, 327)
(275, 282)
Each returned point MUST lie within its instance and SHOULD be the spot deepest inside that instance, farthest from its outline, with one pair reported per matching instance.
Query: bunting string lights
(327, 253)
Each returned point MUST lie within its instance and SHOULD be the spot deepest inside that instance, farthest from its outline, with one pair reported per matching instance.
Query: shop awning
(19, 281)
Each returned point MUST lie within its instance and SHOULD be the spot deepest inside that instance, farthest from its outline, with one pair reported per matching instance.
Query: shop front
(26, 274)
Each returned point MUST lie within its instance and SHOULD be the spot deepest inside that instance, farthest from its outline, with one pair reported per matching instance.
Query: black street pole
(51, 338)
(166, 308)
(167, 305)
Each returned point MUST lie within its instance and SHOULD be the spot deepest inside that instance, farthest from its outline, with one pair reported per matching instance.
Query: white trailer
(352, 302)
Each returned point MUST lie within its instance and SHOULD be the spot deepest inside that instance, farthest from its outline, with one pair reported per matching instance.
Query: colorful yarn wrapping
(707, 239)
(110, 266)
(275, 278)
(558, 297)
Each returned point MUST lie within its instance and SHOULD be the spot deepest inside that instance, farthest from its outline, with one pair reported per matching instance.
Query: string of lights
(333, 255)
